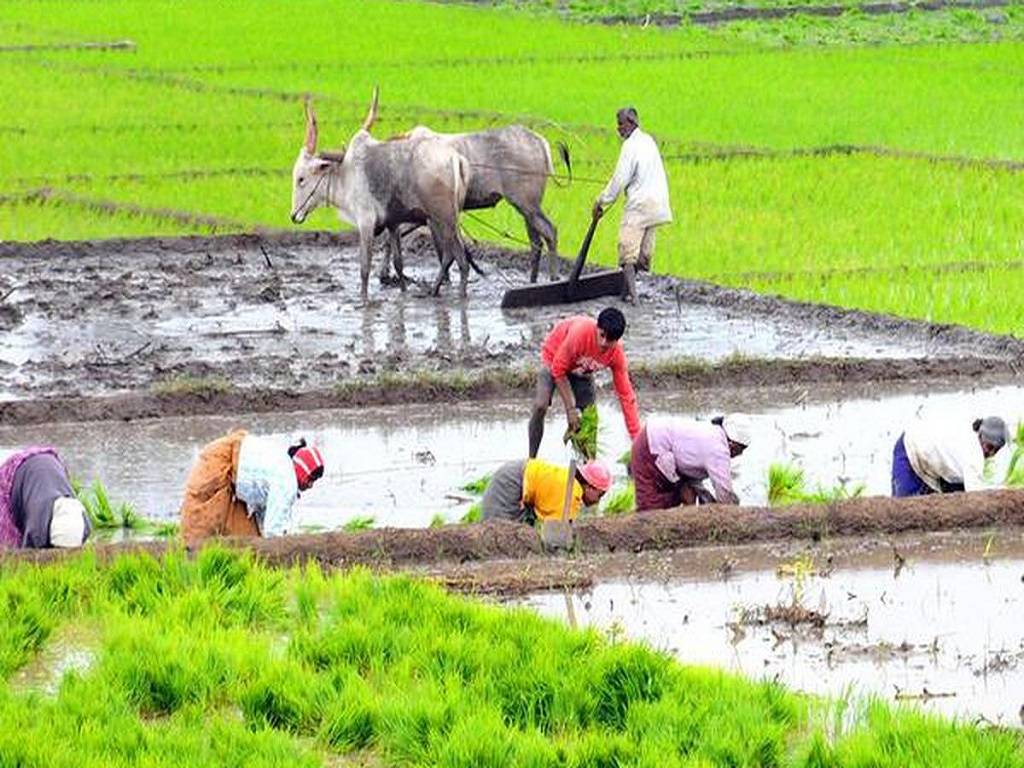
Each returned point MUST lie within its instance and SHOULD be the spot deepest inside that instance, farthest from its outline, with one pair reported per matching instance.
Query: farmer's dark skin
(626, 126)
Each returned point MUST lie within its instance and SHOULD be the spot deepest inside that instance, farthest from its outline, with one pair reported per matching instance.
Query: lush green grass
(221, 662)
(204, 118)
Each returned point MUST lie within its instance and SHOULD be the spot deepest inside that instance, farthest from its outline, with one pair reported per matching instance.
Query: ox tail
(460, 181)
(563, 154)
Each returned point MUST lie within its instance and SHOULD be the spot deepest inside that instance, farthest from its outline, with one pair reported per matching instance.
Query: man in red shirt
(575, 348)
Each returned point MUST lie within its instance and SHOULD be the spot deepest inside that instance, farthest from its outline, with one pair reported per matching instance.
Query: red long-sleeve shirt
(572, 347)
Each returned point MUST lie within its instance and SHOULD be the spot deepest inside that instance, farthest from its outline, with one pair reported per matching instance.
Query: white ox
(377, 186)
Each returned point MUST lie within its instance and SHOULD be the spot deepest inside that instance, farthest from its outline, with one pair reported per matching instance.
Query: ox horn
(371, 116)
(310, 127)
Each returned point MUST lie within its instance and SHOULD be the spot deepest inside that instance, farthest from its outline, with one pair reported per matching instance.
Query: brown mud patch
(209, 396)
(756, 13)
(163, 326)
(677, 529)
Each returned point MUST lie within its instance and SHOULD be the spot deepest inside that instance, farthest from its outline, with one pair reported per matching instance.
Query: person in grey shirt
(38, 507)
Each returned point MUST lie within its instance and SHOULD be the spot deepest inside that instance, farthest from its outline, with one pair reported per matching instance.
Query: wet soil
(643, 532)
(931, 621)
(403, 465)
(133, 328)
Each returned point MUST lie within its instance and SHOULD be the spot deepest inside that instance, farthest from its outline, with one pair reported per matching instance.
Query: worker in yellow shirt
(525, 490)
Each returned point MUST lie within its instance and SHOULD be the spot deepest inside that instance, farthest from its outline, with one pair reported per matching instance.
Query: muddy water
(949, 622)
(404, 465)
(290, 317)
(71, 648)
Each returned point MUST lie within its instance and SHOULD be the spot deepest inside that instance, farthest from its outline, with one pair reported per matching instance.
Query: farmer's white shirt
(641, 174)
(938, 449)
(266, 483)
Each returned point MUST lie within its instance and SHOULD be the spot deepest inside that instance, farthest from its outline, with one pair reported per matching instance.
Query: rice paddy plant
(787, 485)
(359, 523)
(584, 439)
(478, 486)
(619, 500)
(398, 672)
(105, 515)
(438, 520)
(1015, 469)
(473, 514)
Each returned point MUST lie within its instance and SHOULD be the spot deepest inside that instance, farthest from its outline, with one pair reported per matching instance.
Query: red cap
(306, 461)
(597, 474)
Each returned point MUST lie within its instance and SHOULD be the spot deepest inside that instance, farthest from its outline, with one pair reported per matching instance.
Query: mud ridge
(753, 13)
(945, 268)
(643, 532)
(48, 195)
(111, 45)
(183, 244)
(713, 153)
(493, 383)
(983, 344)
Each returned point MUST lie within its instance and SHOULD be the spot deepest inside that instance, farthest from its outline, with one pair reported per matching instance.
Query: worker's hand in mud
(572, 418)
(598, 211)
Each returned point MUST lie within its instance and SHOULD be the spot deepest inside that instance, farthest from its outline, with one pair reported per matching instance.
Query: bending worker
(574, 349)
(641, 174)
(940, 457)
(522, 491)
(243, 485)
(38, 507)
(672, 456)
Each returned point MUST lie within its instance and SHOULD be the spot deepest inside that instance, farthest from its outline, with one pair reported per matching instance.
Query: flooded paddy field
(284, 313)
(402, 465)
(934, 621)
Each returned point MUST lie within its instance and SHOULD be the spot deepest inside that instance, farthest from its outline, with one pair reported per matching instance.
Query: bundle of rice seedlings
(584, 439)
(620, 500)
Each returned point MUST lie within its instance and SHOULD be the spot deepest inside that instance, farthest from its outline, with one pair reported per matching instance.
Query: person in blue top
(244, 485)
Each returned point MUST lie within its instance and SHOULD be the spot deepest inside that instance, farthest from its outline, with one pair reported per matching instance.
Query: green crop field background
(864, 161)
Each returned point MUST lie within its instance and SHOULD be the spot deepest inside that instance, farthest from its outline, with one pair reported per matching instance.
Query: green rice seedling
(192, 385)
(787, 485)
(359, 523)
(397, 671)
(1015, 469)
(97, 506)
(166, 530)
(620, 500)
(584, 439)
(351, 719)
(479, 485)
(473, 514)
(438, 520)
(287, 698)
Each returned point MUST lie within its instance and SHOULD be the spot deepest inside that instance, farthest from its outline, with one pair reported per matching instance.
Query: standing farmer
(243, 485)
(641, 175)
(672, 456)
(940, 457)
(525, 490)
(574, 349)
(38, 507)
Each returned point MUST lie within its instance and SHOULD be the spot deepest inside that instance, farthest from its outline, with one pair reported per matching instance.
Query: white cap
(738, 428)
(67, 525)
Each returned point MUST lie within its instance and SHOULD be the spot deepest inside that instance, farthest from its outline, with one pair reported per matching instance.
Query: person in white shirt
(640, 174)
(244, 485)
(943, 457)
